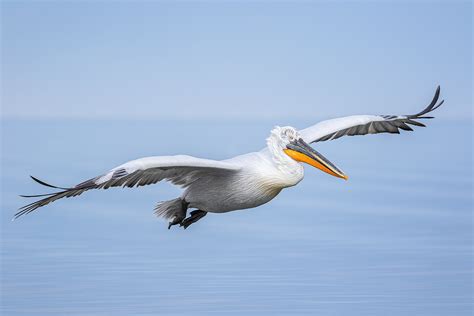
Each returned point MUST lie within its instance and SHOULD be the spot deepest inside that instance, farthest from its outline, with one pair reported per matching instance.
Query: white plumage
(241, 182)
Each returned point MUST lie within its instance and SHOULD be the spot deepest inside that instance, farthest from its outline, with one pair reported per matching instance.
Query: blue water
(396, 239)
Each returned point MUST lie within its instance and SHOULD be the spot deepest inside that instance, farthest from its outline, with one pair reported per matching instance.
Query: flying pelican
(241, 182)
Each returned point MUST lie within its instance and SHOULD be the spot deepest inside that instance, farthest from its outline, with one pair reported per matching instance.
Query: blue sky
(164, 60)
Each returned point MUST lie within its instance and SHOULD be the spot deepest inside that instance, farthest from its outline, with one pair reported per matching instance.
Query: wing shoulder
(162, 167)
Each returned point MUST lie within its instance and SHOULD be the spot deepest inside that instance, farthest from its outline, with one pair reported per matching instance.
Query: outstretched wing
(179, 170)
(367, 124)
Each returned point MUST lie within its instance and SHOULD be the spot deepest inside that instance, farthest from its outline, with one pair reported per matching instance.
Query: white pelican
(242, 182)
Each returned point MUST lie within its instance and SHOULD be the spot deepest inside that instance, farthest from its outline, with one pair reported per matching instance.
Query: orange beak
(302, 152)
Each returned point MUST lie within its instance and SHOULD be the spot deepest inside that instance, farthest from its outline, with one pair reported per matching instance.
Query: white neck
(282, 161)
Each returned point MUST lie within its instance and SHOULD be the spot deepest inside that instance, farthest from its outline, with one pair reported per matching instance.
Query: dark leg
(180, 215)
(195, 216)
(175, 221)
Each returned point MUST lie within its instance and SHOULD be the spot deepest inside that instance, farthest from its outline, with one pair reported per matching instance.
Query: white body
(258, 181)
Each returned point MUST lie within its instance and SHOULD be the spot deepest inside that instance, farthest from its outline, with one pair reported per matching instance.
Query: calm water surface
(396, 239)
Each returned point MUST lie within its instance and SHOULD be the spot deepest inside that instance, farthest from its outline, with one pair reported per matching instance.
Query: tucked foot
(173, 209)
(195, 216)
(175, 221)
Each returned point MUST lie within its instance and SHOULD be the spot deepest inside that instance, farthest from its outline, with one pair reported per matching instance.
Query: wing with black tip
(180, 170)
(367, 124)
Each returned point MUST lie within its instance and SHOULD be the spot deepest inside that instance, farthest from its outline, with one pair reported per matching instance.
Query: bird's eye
(288, 134)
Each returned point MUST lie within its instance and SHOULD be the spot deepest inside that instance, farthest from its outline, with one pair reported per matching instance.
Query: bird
(242, 182)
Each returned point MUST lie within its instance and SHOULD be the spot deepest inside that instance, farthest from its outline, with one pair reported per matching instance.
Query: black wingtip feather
(415, 123)
(431, 107)
(36, 195)
(439, 104)
(47, 184)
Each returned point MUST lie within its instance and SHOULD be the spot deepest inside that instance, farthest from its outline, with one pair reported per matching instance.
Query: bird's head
(286, 144)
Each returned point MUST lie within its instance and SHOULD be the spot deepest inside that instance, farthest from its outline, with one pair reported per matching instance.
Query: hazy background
(89, 85)
(154, 60)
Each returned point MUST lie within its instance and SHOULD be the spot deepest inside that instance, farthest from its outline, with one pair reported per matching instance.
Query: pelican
(241, 182)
